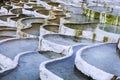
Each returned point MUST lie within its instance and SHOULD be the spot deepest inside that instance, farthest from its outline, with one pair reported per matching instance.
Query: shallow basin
(82, 26)
(27, 21)
(31, 62)
(19, 17)
(33, 30)
(8, 7)
(2, 37)
(51, 28)
(79, 18)
(107, 64)
(66, 40)
(55, 4)
(4, 17)
(110, 28)
(16, 11)
(9, 32)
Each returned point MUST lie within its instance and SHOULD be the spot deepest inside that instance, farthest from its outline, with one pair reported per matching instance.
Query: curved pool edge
(88, 69)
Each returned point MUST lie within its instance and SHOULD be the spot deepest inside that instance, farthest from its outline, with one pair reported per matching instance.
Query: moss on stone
(105, 39)
(78, 33)
(111, 19)
(94, 36)
(96, 15)
(118, 24)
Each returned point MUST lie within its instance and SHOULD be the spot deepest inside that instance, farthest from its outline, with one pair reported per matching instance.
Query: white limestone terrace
(3, 18)
(47, 13)
(72, 8)
(22, 51)
(21, 11)
(58, 18)
(26, 10)
(26, 22)
(34, 30)
(18, 5)
(81, 26)
(5, 9)
(11, 47)
(100, 9)
(10, 51)
(61, 43)
(79, 29)
(49, 29)
(2, 37)
(5, 26)
(27, 67)
(79, 18)
(16, 11)
(41, 13)
(32, 5)
(65, 39)
(103, 59)
(13, 20)
(9, 32)
(64, 67)
(109, 30)
(18, 58)
(109, 2)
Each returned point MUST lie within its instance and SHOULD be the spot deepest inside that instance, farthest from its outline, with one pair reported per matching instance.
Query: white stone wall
(90, 70)
(46, 45)
(44, 31)
(45, 74)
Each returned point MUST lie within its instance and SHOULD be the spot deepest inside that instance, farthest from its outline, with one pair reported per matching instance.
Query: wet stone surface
(79, 18)
(104, 57)
(19, 17)
(67, 40)
(98, 9)
(51, 54)
(2, 37)
(80, 26)
(65, 68)
(11, 48)
(28, 21)
(33, 30)
(110, 28)
(28, 68)
(53, 28)
(8, 32)
(4, 17)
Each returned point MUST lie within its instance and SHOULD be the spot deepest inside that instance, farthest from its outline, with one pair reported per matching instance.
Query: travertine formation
(59, 40)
